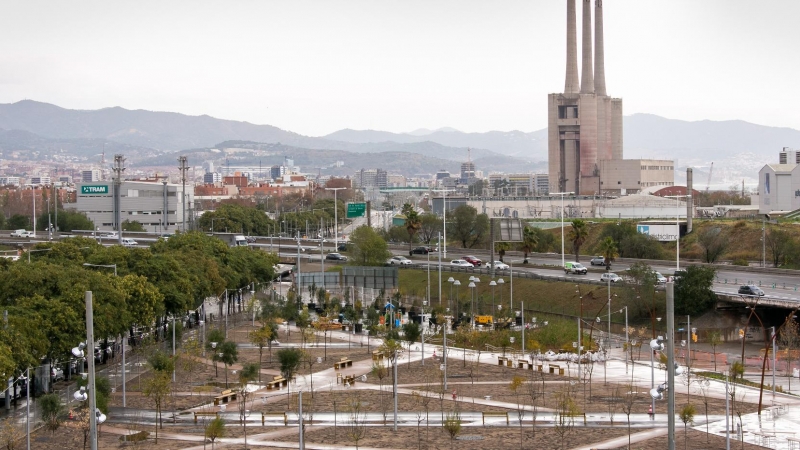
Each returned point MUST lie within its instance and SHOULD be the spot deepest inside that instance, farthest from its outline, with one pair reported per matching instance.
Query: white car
(111, 235)
(660, 279)
(499, 265)
(399, 260)
(22, 234)
(128, 242)
(610, 276)
(461, 263)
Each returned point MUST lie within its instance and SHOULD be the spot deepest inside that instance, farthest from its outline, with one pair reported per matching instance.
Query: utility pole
(335, 216)
(183, 168)
(119, 168)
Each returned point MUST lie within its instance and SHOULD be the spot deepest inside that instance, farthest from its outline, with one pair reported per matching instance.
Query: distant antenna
(103, 163)
(469, 154)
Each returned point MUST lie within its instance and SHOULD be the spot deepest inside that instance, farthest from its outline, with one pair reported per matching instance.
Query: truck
(22, 234)
(232, 239)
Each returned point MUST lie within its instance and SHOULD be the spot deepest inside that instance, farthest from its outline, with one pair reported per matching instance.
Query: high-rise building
(467, 172)
(212, 178)
(370, 178)
(584, 123)
(89, 176)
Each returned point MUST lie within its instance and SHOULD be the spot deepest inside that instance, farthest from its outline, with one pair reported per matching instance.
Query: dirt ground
(199, 382)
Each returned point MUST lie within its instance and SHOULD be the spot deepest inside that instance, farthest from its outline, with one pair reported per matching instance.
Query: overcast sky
(314, 67)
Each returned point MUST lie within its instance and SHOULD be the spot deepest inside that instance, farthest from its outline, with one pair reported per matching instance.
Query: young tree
(248, 373)
(452, 425)
(790, 340)
(215, 429)
(357, 418)
(10, 434)
(468, 226)
(516, 387)
(714, 339)
(290, 359)
(230, 354)
(157, 388)
(535, 393)
(578, 234)
(608, 248)
(411, 334)
(704, 387)
(566, 409)
(261, 338)
(714, 243)
(628, 401)
(530, 239)
(687, 417)
(368, 248)
(381, 372)
(779, 243)
(52, 411)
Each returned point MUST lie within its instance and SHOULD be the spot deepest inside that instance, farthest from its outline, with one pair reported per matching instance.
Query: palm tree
(413, 222)
(502, 248)
(529, 242)
(578, 235)
(609, 250)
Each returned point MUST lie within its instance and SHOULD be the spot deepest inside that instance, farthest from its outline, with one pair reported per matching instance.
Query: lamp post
(492, 284)
(472, 303)
(444, 222)
(627, 342)
(322, 258)
(457, 283)
(78, 352)
(335, 217)
(678, 227)
(450, 280)
(501, 282)
(562, 194)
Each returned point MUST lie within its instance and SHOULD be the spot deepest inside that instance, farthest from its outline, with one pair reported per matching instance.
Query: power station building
(585, 124)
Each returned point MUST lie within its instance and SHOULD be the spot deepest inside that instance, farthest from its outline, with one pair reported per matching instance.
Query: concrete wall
(140, 201)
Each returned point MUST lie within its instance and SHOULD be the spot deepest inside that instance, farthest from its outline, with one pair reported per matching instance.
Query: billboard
(96, 189)
(661, 232)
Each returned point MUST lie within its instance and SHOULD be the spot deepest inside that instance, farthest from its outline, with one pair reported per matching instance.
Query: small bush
(740, 262)
(135, 437)
(740, 224)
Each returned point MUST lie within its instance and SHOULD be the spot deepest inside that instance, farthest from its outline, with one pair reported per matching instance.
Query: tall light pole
(678, 227)
(335, 216)
(492, 284)
(444, 222)
(562, 194)
(501, 282)
(124, 335)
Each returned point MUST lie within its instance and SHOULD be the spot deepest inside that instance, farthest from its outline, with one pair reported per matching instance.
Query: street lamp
(501, 282)
(492, 284)
(450, 280)
(562, 194)
(678, 227)
(472, 285)
(335, 218)
(83, 395)
(457, 283)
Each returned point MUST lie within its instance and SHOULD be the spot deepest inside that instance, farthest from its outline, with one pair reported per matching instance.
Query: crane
(710, 171)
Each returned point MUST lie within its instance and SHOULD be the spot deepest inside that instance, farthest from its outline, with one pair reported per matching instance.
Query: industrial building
(779, 184)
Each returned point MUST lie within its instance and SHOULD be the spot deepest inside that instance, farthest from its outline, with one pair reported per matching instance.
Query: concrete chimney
(587, 80)
(689, 200)
(599, 58)
(571, 86)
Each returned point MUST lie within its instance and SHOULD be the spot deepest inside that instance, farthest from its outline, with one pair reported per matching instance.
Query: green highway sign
(356, 210)
(94, 189)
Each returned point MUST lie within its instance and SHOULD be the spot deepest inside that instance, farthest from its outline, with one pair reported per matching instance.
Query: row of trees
(45, 298)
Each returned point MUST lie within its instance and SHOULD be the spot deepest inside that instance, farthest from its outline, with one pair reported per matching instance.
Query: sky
(315, 67)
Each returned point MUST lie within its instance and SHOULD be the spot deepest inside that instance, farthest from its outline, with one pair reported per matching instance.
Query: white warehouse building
(157, 206)
(779, 184)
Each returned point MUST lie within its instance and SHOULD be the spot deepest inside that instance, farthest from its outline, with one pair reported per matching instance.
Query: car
(610, 276)
(336, 257)
(678, 274)
(575, 268)
(166, 236)
(660, 279)
(342, 247)
(22, 234)
(399, 260)
(111, 235)
(751, 290)
(598, 261)
(128, 242)
(460, 263)
(500, 265)
(420, 251)
(472, 260)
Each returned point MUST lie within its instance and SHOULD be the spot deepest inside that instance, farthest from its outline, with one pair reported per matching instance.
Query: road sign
(94, 189)
(356, 210)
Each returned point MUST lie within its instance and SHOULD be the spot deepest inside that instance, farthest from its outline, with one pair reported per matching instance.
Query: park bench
(225, 397)
(554, 367)
(579, 415)
(495, 415)
(377, 355)
(501, 360)
(344, 362)
(794, 443)
(766, 439)
(539, 367)
(346, 379)
(204, 414)
(275, 416)
(277, 382)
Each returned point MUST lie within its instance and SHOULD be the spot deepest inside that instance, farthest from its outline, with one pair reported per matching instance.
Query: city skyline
(315, 68)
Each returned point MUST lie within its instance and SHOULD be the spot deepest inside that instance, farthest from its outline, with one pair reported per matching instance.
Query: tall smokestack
(599, 58)
(689, 200)
(571, 86)
(587, 81)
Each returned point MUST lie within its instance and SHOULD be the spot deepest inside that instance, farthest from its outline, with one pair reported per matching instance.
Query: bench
(539, 367)
(501, 360)
(794, 443)
(521, 364)
(554, 367)
(225, 397)
(495, 415)
(277, 382)
(575, 415)
(275, 416)
(344, 362)
(345, 379)
(766, 439)
(377, 355)
(205, 414)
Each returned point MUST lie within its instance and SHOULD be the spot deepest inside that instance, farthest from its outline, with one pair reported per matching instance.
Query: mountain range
(737, 148)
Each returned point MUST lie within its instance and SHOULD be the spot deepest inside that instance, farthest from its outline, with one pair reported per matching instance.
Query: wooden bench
(765, 439)
(582, 415)
(377, 355)
(277, 382)
(275, 416)
(521, 364)
(205, 414)
(225, 397)
(495, 415)
(540, 367)
(501, 360)
(345, 379)
(554, 367)
(344, 362)
(794, 443)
